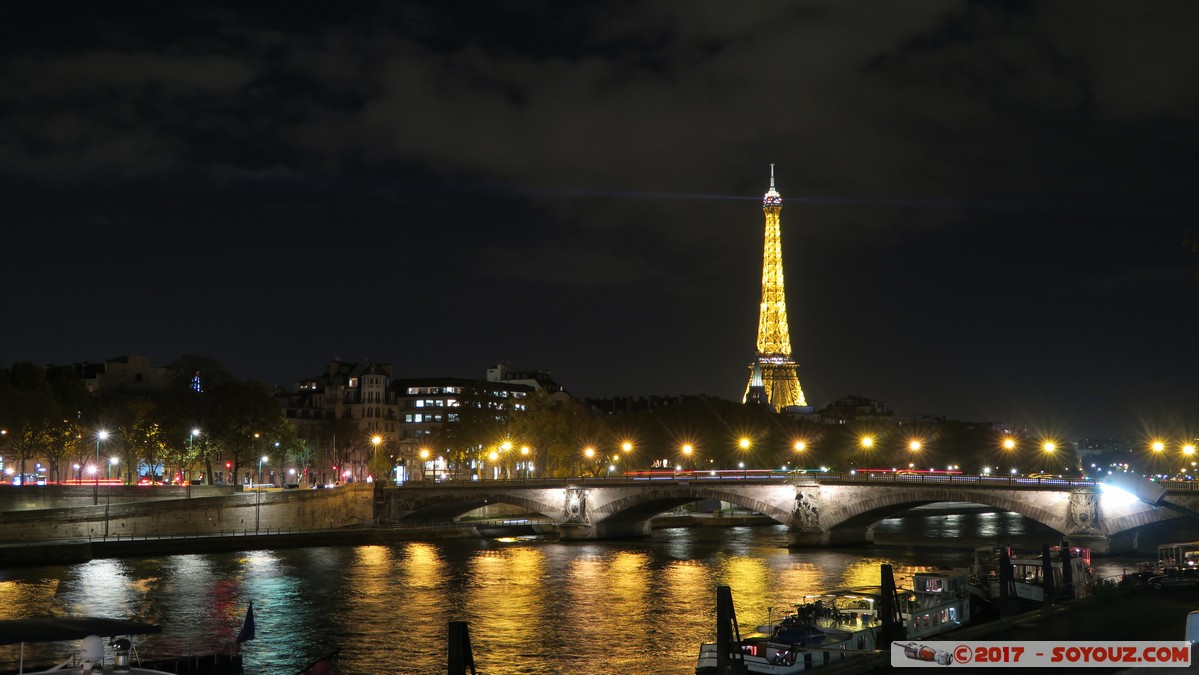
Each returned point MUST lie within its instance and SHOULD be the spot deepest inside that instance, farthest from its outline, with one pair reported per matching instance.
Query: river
(533, 605)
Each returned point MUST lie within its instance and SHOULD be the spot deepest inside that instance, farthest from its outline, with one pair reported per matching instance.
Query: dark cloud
(984, 201)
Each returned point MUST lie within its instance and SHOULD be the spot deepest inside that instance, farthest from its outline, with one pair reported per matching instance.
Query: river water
(533, 605)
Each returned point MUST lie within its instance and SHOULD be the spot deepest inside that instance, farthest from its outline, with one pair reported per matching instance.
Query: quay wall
(241, 512)
(37, 497)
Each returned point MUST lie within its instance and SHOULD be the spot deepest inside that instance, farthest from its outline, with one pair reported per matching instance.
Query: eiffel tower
(773, 379)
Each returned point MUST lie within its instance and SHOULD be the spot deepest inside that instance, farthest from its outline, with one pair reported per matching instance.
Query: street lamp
(260, 463)
(95, 472)
(589, 453)
(504, 448)
(190, 444)
(915, 445)
(524, 453)
(101, 435)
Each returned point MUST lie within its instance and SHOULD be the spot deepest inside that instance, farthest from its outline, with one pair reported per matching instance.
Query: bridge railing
(734, 476)
(737, 476)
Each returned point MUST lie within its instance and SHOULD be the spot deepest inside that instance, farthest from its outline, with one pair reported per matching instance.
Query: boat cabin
(1178, 555)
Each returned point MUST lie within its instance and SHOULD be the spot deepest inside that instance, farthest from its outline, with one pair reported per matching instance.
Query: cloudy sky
(985, 203)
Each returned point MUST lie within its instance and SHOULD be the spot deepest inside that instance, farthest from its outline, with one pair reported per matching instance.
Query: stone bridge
(822, 511)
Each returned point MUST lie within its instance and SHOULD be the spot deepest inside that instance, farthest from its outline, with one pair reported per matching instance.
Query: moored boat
(1063, 572)
(90, 657)
(848, 622)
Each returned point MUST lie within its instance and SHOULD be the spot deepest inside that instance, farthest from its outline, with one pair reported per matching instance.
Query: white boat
(1027, 584)
(90, 657)
(844, 623)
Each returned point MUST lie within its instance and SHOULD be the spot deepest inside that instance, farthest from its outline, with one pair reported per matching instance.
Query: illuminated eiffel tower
(772, 377)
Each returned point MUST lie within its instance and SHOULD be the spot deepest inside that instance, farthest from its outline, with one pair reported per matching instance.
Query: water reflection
(533, 606)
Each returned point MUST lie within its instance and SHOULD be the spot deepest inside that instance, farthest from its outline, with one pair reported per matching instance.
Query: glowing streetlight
(1009, 443)
(1158, 446)
(1049, 447)
(867, 442)
(101, 435)
(744, 443)
(260, 463)
(589, 452)
(914, 446)
(626, 446)
(800, 446)
(1188, 449)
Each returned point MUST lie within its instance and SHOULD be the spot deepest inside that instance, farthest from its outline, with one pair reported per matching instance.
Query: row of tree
(48, 415)
(570, 439)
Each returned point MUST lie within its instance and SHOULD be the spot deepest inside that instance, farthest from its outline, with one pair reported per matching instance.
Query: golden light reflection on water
(26, 598)
(421, 565)
(507, 595)
(536, 607)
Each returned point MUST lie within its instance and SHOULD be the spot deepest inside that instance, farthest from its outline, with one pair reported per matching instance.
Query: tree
(30, 414)
(479, 423)
(190, 404)
(246, 421)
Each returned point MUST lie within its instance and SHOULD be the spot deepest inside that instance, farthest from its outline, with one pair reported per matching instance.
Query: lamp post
(95, 472)
(260, 463)
(866, 443)
(524, 453)
(424, 463)
(101, 435)
(190, 446)
(505, 448)
(589, 453)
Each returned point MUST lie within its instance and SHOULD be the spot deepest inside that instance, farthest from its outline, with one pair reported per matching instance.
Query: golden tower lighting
(779, 381)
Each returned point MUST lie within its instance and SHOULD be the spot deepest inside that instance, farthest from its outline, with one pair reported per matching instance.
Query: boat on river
(90, 657)
(846, 622)
(1065, 572)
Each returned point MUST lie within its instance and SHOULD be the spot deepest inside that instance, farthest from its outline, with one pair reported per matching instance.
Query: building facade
(345, 416)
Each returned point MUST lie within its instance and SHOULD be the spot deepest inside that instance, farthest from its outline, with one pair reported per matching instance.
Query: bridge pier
(604, 530)
(842, 536)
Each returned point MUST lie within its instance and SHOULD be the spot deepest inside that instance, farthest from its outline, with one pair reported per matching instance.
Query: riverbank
(34, 553)
(67, 552)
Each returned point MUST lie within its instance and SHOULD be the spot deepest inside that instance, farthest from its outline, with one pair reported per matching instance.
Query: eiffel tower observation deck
(773, 379)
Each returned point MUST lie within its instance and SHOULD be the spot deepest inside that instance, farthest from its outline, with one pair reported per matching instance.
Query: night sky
(984, 217)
